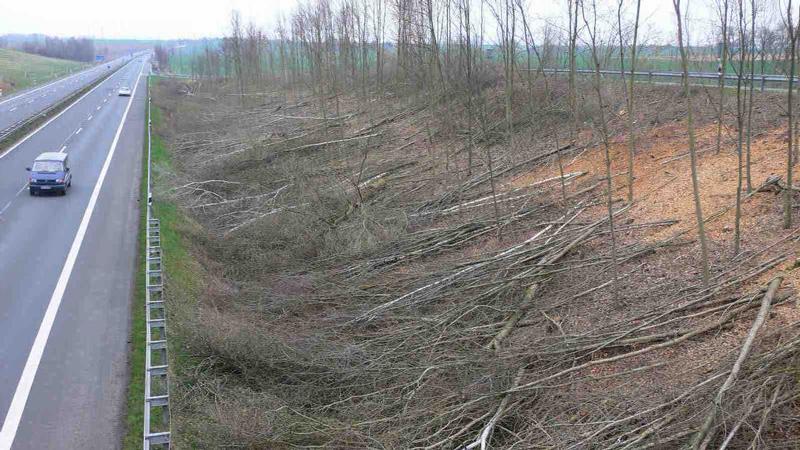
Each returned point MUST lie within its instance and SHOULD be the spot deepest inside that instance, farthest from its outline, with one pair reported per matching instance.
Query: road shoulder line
(14, 415)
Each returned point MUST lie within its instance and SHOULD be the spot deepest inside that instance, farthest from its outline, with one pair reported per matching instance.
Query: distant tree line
(471, 51)
(76, 49)
(161, 56)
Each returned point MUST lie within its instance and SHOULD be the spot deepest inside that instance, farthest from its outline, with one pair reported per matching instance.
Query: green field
(20, 70)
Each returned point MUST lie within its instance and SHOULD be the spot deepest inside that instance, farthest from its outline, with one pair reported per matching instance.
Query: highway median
(18, 132)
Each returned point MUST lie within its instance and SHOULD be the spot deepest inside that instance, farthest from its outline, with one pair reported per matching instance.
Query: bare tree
(592, 31)
(505, 15)
(751, 85)
(740, 113)
(466, 45)
(236, 50)
(632, 104)
(692, 152)
(787, 193)
(572, 7)
(723, 66)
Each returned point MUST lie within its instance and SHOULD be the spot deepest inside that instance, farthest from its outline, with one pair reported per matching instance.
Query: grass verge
(41, 118)
(182, 275)
(135, 402)
(20, 70)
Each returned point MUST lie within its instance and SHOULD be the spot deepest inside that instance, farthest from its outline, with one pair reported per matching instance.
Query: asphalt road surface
(25, 104)
(67, 271)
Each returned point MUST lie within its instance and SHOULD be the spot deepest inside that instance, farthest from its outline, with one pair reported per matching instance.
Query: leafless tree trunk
(692, 152)
(468, 61)
(631, 105)
(379, 33)
(572, 7)
(787, 193)
(236, 43)
(505, 15)
(592, 31)
(749, 182)
(740, 112)
(722, 69)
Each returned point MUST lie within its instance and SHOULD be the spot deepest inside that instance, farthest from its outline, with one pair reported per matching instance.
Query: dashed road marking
(8, 431)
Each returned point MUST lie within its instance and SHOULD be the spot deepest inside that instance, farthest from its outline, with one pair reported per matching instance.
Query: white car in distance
(124, 91)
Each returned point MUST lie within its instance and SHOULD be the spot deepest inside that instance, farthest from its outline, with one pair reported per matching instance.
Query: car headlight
(59, 180)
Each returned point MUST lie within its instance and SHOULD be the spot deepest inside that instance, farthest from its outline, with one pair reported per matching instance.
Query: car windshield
(47, 166)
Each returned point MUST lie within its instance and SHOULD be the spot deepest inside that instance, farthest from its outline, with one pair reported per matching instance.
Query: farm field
(19, 70)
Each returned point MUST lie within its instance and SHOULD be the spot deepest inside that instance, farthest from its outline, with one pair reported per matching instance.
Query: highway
(67, 269)
(25, 104)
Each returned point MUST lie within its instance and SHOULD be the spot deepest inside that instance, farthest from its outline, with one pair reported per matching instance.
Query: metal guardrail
(11, 129)
(763, 79)
(156, 384)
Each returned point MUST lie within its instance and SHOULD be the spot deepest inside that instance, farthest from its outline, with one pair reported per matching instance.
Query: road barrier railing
(11, 129)
(761, 79)
(43, 114)
(156, 385)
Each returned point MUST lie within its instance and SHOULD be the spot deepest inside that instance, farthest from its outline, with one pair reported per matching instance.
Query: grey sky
(164, 19)
(145, 19)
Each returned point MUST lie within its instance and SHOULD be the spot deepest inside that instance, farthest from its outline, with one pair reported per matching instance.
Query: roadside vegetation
(185, 275)
(432, 247)
(20, 70)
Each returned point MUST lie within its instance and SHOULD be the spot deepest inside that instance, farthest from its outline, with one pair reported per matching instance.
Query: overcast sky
(167, 19)
(143, 19)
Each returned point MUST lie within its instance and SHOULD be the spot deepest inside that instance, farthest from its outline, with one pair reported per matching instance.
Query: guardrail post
(763, 81)
(650, 77)
(156, 382)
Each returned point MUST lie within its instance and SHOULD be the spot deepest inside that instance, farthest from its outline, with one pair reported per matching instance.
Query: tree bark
(722, 71)
(698, 209)
(631, 105)
(787, 194)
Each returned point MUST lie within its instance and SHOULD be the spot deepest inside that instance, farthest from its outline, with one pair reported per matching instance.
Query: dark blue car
(50, 173)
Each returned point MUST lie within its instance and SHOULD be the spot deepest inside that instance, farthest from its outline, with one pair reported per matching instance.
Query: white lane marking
(28, 136)
(21, 189)
(12, 109)
(5, 207)
(105, 100)
(78, 131)
(38, 89)
(30, 101)
(62, 149)
(14, 415)
(89, 118)
(98, 108)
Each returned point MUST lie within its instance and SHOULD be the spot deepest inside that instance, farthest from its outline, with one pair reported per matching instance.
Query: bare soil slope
(364, 286)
